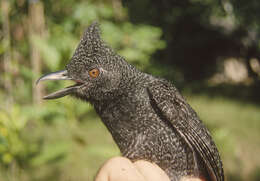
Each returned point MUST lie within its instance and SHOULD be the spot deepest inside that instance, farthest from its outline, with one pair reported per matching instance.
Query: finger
(119, 169)
(150, 171)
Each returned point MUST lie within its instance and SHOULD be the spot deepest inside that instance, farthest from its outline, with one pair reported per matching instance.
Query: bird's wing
(173, 108)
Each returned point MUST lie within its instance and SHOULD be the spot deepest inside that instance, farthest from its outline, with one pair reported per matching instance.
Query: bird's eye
(94, 73)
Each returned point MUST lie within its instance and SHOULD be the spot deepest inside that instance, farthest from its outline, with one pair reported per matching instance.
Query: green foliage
(51, 152)
(49, 53)
(12, 122)
(134, 42)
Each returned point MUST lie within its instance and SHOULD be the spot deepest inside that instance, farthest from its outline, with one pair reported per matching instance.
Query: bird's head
(96, 70)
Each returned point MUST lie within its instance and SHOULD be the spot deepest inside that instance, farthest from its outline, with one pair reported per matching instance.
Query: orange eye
(94, 73)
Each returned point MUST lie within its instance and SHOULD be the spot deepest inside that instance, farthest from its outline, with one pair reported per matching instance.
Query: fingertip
(151, 171)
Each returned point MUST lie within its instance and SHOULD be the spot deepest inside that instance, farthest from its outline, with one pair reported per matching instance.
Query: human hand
(122, 169)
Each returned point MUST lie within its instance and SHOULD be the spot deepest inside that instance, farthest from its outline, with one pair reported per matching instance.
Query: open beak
(60, 75)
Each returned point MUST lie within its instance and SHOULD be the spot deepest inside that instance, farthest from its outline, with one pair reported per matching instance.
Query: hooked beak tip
(37, 82)
(60, 75)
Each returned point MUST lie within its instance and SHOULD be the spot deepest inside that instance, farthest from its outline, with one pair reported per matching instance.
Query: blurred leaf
(85, 13)
(26, 72)
(134, 42)
(105, 11)
(49, 53)
(7, 158)
(50, 153)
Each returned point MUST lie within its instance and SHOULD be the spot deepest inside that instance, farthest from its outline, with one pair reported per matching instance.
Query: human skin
(122, 169)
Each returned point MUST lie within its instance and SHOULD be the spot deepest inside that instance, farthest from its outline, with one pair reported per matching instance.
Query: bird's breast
(141, 134)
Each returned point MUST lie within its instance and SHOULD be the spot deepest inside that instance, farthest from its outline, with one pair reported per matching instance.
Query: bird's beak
(60, 75)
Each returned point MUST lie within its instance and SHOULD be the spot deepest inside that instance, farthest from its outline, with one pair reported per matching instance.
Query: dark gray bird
(147, 116)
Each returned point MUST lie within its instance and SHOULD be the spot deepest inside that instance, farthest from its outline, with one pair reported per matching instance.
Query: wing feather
(183, 118)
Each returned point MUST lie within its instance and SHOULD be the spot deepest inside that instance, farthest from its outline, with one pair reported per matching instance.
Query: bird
(147, 116)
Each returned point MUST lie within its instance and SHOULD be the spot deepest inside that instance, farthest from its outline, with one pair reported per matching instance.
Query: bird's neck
(120, 118)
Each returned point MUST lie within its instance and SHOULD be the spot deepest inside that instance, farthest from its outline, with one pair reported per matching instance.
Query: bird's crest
(91, 50)
(92, 31)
